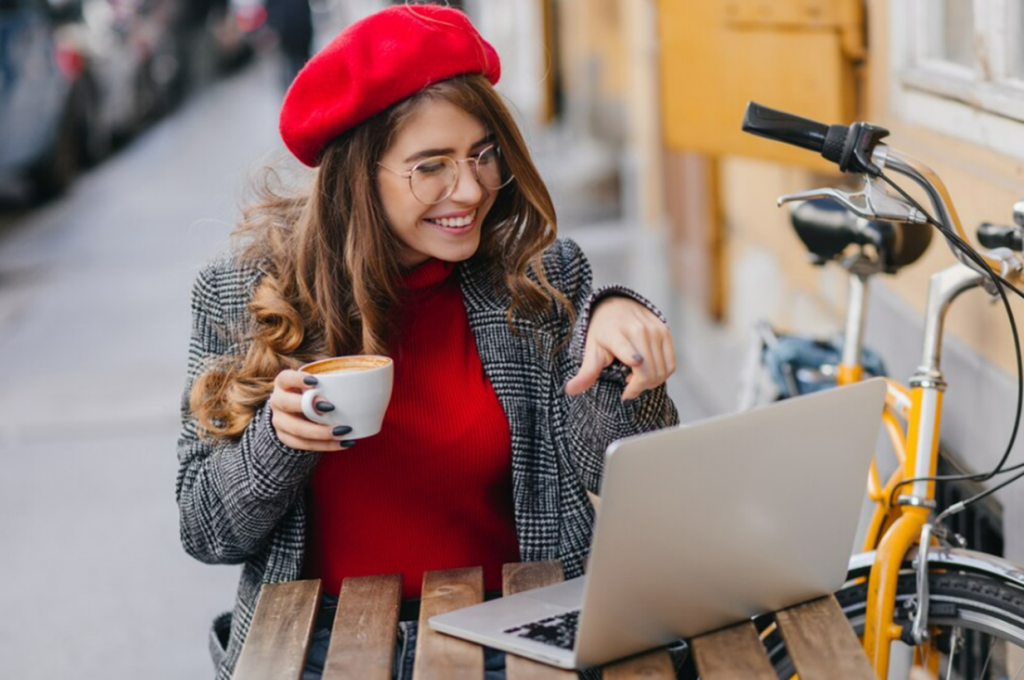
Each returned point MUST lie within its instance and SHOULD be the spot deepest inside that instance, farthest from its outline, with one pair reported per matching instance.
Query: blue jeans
(405, 648)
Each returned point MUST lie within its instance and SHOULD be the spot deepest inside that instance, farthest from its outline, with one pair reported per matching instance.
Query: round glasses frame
(474, 162)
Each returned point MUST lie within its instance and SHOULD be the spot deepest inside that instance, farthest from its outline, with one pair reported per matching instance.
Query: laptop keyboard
(557, 631)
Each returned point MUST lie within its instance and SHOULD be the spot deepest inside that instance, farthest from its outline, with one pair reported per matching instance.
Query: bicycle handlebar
(849, 147)
(856, 149)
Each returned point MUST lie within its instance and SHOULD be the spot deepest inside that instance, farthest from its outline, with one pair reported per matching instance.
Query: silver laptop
(702, 526)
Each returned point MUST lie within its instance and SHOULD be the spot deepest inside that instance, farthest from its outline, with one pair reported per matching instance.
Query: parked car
(131, 70)
(215, 39)
(41, 99)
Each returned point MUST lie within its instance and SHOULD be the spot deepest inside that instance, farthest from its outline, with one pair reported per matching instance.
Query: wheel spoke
(954, 639)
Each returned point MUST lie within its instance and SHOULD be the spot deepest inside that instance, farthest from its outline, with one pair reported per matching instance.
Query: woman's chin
(451, 252)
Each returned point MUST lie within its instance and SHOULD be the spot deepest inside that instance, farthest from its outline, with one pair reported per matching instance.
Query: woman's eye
(487, 156)
(430, 169)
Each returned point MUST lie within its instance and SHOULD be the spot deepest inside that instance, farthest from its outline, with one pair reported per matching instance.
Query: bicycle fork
(922, 453)
(922, 457)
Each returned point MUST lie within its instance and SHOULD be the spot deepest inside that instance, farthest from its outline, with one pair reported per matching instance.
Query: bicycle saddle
(827, 229)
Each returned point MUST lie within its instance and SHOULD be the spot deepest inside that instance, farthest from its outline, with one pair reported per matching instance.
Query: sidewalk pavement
(94, 326)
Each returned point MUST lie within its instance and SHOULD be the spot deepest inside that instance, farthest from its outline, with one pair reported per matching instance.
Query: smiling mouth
(452, 222)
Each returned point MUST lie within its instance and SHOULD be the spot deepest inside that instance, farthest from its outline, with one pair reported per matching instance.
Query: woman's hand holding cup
(328, 404)
(291, 425)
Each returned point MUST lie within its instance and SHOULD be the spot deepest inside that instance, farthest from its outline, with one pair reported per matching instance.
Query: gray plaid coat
(242, 502)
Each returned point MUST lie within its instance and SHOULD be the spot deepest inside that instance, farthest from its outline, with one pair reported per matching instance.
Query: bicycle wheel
(984, 614)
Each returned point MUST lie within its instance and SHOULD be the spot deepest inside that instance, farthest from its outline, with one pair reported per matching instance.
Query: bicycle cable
(1000, 284)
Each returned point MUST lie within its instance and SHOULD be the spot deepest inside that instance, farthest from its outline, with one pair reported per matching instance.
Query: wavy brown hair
(332, 272)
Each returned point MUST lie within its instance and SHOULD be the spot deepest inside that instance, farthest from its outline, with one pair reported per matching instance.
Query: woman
(427, 236)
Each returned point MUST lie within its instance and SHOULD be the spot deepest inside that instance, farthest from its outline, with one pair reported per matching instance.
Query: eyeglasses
(434, 179)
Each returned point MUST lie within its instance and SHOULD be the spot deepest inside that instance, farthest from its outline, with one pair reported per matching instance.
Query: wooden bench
(817, 635)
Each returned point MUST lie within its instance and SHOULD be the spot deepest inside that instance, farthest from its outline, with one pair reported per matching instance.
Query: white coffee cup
(358, 386)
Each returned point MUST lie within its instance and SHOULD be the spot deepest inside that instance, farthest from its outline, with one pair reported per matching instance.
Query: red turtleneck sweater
(433, 490)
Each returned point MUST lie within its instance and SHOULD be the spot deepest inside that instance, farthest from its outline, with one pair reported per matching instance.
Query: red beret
(374, 63)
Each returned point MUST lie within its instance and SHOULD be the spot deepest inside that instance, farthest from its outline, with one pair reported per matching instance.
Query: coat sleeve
(598, 417)
(230, 494)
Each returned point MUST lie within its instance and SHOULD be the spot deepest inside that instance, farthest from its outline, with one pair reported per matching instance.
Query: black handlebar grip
(835, 143)
(784, 127)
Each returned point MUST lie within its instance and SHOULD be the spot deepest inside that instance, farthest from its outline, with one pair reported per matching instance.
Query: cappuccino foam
(346, 364)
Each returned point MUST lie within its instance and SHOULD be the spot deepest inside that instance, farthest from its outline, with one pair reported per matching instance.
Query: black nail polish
(348, 443)
(639, 358)
(341, 430)
(324, 406)
(310, 380)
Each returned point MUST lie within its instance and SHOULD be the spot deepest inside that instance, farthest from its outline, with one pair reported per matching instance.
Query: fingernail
(324, 406)
(639, 358)
(341, 430)
(561, 390)
(348, 443)
(310, 380)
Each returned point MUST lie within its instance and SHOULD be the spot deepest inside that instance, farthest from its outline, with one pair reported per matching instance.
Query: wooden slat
(442, 657)
(821, 643)
(278, 639)
(652, 666)
(732, 654)
(517, 578)
(365, 626)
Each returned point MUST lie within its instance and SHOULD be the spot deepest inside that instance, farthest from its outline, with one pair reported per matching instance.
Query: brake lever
(873, 202)
(1010, 265)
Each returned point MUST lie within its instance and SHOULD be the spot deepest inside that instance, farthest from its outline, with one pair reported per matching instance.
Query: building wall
(765, 274)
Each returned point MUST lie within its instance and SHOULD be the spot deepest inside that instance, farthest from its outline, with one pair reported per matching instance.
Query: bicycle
(915, 581)
(782, 365)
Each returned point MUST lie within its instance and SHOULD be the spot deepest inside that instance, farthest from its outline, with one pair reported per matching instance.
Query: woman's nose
(468, 189)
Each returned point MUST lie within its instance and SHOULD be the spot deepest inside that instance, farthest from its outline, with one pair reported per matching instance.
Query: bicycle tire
(987, 608)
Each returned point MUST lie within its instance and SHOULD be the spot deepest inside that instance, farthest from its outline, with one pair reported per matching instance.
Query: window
(948, 35)
(959, 52)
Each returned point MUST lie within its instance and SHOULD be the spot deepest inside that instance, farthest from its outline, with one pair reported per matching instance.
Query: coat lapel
(520, 367)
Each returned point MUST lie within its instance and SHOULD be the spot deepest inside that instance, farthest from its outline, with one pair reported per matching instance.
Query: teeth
(454, 222)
